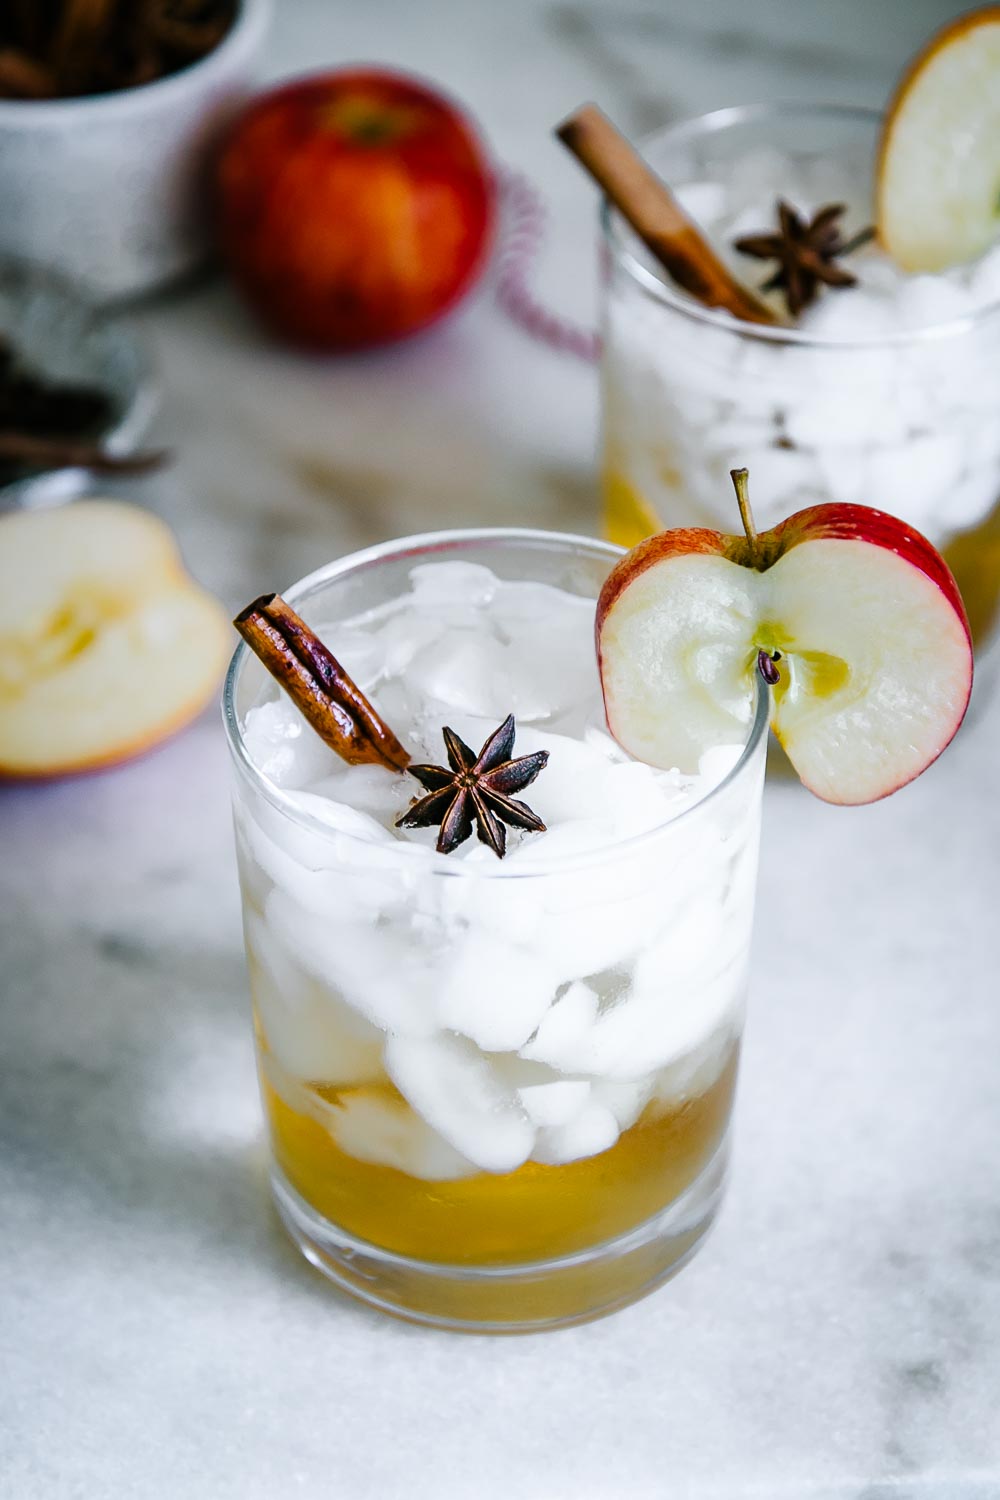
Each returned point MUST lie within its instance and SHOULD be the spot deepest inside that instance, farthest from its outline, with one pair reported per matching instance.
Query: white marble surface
(839, 1336)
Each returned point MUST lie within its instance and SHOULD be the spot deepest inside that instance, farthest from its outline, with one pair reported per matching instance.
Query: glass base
(524, 1298)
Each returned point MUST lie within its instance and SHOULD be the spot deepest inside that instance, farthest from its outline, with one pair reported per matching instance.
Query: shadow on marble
(136, 1115)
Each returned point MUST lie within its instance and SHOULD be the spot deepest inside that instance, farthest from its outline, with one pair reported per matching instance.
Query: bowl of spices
(76, 393)
(110, 111)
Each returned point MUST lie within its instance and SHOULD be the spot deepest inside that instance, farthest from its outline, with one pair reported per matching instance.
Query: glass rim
(658, 290)
(420, 545)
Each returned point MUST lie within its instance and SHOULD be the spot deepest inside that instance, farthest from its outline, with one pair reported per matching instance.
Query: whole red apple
(355, 207)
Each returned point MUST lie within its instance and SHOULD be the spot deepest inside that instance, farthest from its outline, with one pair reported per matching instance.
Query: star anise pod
(806, 251)
(473, 791)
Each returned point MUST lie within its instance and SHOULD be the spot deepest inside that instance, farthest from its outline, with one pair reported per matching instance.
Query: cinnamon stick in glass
(318, 685)
(655, 215)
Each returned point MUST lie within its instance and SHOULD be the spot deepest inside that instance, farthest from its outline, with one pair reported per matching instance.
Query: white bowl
(110, 189)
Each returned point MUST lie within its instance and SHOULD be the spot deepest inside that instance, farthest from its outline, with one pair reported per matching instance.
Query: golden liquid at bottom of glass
(535, 1213)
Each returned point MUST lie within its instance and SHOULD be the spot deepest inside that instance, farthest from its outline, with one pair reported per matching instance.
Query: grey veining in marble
(839, 1336)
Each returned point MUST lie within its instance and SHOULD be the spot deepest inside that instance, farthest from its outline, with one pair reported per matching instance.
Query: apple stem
(766, 666)
(740, 478)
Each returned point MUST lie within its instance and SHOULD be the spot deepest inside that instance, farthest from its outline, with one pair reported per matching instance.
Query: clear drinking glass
(905, 422)
(652, 933)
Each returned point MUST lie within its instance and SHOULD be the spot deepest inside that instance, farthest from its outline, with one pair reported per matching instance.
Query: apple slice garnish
(108, 645)
(938, 174)
(849, 615)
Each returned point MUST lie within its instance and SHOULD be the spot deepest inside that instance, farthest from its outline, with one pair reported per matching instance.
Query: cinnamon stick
(69, 453)
(318, 685)
(81, 38)
(655, 215)
(21, 77)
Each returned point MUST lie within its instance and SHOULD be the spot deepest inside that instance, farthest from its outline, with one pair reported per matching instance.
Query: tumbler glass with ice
(882, 393)
(498, 1091)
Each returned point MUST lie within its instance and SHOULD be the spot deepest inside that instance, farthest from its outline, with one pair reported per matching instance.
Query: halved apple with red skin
(106, 643)
(858, 612)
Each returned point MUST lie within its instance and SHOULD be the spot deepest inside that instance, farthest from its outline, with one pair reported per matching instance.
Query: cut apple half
(850, 616)
(938, 174)
(107, 644)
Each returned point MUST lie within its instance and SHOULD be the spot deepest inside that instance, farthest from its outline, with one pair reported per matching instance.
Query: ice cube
(751, 218)
(320, 892)
(565, 1028)
(342, 819)
(928, 301)
(550, 660)
(856, 313)
(464, 671)
(400, 705)
(985, 281)
(403, 635)
(355, 881)
(375, 790)
(494, 993)
(596, 737)
(284, 745)
(841, 179)
(375, 970)
(786, 479)
(694, 1072)
(913, 479)
(520, 1073)
(638, 798)
(549, 670)
(310, 1031)
(507, 909)
(474, 729)
(878, 273)
(739, 433)
(594, 913)
(349, 873)
(654, 1025)
(554, 1104)
(453, 583)
(966, 502)
(761, 175)
(593, 1130)
(375, 1127)
(695, 410)
(694, 940)
(582, 778)
(843, 473)
(452, 1086)
(716, 763)
(569, 786)
(358, 650)
(565, 840)
(706, 202)
(626, 1098)
(528, 603)
(821, 418)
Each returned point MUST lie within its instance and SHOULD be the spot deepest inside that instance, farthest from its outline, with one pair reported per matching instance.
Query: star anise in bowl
(473, 792)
